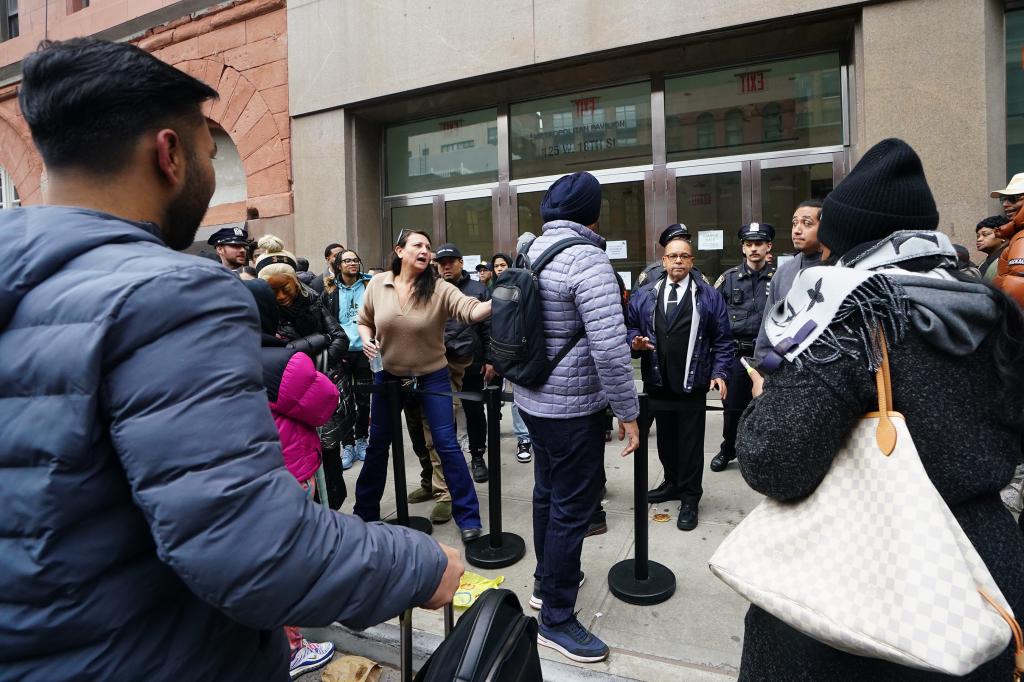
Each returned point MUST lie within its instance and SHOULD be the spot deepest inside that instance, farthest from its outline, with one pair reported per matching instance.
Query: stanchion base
(480, 553)
(420, 523)
(659, 586)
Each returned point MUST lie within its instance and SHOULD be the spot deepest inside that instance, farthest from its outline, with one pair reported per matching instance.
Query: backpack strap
(546, 257)
(473, 652)
(549, 253)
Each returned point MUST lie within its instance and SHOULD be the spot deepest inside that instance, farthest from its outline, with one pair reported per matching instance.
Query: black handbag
(492, 642)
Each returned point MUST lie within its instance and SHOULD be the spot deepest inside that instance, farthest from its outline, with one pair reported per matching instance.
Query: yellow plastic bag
(472, 586)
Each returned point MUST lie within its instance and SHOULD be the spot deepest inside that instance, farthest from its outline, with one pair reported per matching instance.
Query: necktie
(673, 300)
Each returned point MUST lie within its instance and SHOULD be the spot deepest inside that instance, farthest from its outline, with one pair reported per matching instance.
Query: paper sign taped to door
(616, 250)
(470, 262)
(711, 240)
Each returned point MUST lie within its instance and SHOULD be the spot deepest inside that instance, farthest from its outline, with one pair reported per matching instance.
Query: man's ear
(769, 247)
(170, 157)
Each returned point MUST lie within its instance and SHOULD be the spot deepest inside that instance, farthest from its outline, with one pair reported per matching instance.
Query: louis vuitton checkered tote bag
(873, 562)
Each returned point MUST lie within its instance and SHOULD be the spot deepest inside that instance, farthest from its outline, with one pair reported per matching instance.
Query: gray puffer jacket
(578, 289)
(150, 529)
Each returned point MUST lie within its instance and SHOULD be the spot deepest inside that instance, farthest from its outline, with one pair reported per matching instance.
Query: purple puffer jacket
(578, 288)
(304, 400)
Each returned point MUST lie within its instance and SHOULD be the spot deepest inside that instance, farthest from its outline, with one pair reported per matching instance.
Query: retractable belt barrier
(496, 549)
(636, 581)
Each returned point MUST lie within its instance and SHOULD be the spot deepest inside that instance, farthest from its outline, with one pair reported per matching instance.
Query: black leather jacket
(310, 328)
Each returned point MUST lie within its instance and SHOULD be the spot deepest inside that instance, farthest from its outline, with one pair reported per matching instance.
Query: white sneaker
(310, 656)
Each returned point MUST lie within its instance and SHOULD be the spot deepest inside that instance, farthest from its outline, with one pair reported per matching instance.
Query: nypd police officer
(232, 246)
(745, 288)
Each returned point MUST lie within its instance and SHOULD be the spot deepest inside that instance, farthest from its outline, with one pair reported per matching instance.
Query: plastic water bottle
(377, 363)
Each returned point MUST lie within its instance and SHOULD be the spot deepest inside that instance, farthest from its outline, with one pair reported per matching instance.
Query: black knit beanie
(884, 193)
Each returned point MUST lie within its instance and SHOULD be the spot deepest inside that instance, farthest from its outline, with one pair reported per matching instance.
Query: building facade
(238, 47)
(455, 116)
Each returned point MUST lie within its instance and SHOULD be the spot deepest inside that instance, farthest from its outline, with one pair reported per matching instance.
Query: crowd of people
(161, 460)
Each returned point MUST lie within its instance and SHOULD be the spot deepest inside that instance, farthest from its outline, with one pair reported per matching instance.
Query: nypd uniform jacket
(746, 293)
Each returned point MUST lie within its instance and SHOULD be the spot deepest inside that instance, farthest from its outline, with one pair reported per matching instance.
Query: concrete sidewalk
(695, 635)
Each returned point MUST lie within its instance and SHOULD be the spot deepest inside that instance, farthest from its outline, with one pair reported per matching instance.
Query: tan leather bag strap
(885, 434)
(1018, 637)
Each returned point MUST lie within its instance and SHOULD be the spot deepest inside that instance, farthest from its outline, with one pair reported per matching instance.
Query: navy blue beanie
(575, 197)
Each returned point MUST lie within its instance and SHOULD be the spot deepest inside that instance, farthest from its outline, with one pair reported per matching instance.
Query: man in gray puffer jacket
(151, 531)
(565, 416)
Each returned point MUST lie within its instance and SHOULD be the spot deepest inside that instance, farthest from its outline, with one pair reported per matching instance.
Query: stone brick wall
(238, 48)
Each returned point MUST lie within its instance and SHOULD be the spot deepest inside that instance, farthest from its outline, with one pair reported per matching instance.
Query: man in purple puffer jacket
(565, 416)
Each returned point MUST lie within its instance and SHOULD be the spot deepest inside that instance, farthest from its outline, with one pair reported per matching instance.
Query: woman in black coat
(957, 366)
(305, 324)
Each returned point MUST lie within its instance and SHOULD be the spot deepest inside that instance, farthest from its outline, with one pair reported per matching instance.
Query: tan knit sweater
(412, 340)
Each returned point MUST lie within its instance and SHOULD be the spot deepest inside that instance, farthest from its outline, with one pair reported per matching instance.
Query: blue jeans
(518, 427)
(441, 417)
(568, 456)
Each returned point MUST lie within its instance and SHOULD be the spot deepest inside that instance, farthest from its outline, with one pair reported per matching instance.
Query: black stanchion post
(394, 394)
(497, 549)
(637, 580)
(405, 645)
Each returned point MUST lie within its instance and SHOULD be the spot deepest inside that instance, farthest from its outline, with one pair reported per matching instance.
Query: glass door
(712, 203)
(714, 200)
(623, 221)
(785, 183)
(469, 224)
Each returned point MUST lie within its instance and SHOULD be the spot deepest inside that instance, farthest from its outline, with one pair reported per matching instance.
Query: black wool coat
(790, 434)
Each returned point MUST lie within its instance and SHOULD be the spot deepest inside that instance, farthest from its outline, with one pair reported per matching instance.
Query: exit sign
(752, 81)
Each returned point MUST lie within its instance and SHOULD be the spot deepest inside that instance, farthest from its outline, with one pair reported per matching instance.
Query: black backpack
(518, 351)
(493, 641)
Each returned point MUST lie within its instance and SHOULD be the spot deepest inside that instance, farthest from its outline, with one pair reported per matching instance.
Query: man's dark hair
(811, 203)
(331, 247)
(88, 101)
(301, 265)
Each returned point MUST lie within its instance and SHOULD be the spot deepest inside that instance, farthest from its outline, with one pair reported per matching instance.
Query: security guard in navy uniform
(232, 245)
(745, 288)
(655, 271)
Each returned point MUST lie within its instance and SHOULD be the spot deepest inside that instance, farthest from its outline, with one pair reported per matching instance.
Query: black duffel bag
(492, 642)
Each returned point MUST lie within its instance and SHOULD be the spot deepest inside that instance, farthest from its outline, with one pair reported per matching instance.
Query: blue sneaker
(573, 641)
(348, 456)
(361, 445)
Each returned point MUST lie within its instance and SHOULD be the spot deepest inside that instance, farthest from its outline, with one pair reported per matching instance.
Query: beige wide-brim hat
(1015, 187)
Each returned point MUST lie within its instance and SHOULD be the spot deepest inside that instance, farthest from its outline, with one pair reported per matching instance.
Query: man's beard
(186, 211)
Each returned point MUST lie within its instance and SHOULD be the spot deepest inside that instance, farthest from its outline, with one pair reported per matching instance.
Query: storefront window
(1014, 93)
(790, 104)
(591, 130)
(451, 151)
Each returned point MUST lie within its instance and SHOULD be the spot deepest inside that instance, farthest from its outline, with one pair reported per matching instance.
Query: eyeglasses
(678, 256)
(349, 261)
(1012, 198)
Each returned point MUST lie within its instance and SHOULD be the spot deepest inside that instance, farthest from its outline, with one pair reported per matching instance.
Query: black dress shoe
(687, 516)
(720, 461)
(663, 493)
(471, 534)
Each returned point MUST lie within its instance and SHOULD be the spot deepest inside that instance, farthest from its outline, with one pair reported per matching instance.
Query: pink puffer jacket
(306, 399)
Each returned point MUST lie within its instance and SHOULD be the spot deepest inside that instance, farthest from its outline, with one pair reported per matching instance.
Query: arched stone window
(705, 131)
(771, 122)
(9, 197)
(734, 128)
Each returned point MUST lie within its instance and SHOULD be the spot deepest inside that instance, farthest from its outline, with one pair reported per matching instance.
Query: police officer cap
(757, 232)
(674, 231)
(229, 235)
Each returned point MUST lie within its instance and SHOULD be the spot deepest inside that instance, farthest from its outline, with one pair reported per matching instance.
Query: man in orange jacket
(1010, 270)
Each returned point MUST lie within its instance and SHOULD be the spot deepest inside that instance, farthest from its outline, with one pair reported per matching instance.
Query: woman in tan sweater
(402, 319)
